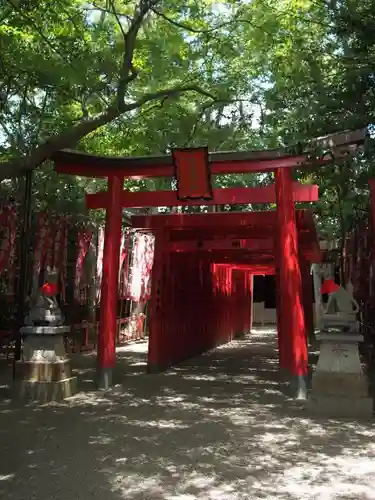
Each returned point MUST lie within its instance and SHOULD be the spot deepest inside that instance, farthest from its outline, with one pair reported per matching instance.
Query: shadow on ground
(216, 427)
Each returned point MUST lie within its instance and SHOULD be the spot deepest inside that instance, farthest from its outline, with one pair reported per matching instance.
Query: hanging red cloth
(57, 259)
(8, 224)
(124, 263)
(99, 263)
(8, 217)
(122, 254)
(50, 241)
(142, 261)
(40, 247)
(64, 260)
(84, 241)
(13, 252)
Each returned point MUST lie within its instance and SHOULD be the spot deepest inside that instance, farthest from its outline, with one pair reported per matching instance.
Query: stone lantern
(339, 385)
(44, 372)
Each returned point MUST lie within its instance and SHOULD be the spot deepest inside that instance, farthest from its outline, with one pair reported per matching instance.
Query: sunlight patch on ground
(165, 424)
(210, 378)
(138, 363)
(91, 398)
(136, 347)
(333, 478)
(136, 483)
(180, 405)
(216, 428)
(6, 477)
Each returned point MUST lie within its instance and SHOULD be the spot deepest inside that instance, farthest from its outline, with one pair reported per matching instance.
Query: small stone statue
(44, 309)
(44, 371)
(341, 309)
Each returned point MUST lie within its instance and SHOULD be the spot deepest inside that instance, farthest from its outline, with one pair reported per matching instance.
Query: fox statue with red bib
(340, 312)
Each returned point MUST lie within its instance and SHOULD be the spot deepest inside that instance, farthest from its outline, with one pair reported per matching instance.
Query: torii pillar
(292, 314)
(109, 295)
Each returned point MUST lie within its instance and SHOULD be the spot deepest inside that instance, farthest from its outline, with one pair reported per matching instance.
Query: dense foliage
(133, 77)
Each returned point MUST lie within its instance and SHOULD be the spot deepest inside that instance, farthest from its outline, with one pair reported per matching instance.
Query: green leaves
(281, 72)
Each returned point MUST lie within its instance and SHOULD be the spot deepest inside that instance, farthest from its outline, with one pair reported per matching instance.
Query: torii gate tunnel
(204, 263)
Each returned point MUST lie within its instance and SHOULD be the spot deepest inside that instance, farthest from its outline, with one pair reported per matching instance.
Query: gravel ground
(216, 428)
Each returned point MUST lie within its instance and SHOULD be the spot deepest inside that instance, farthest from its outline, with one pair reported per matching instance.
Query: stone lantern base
(339, 386)
(44, 373)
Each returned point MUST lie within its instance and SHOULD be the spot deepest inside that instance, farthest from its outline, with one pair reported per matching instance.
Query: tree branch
(128, 72)
(158, 105)
(167, 93)
(187, 27)
(69, 137)
(41, 115)
(117, 17)
(191, 29)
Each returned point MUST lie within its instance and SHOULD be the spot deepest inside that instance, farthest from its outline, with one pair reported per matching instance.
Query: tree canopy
(134, 77)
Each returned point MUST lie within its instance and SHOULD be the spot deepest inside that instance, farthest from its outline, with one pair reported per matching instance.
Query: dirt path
(215, 428)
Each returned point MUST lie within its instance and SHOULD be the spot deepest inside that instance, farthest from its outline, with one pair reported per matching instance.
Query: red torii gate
(284, 194)
(236, 241)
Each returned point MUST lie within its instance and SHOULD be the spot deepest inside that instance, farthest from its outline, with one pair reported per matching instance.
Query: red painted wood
(250, 284)
(158, 307)
(255, 269)
(290, 274)
(283, 340)
(282, 336)
(111, 258)
(252, 245)
(227, 196)
(213, 221)
(192, 173)
(167, 170)
(232, 225)
(258, 266)
(256, 232)
(237, 258)
(241, 300)
(232, 247)
(197, 308)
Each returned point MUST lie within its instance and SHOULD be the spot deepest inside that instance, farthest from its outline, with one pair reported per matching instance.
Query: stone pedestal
(345, 322)
(44, 373)
(339, 386)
